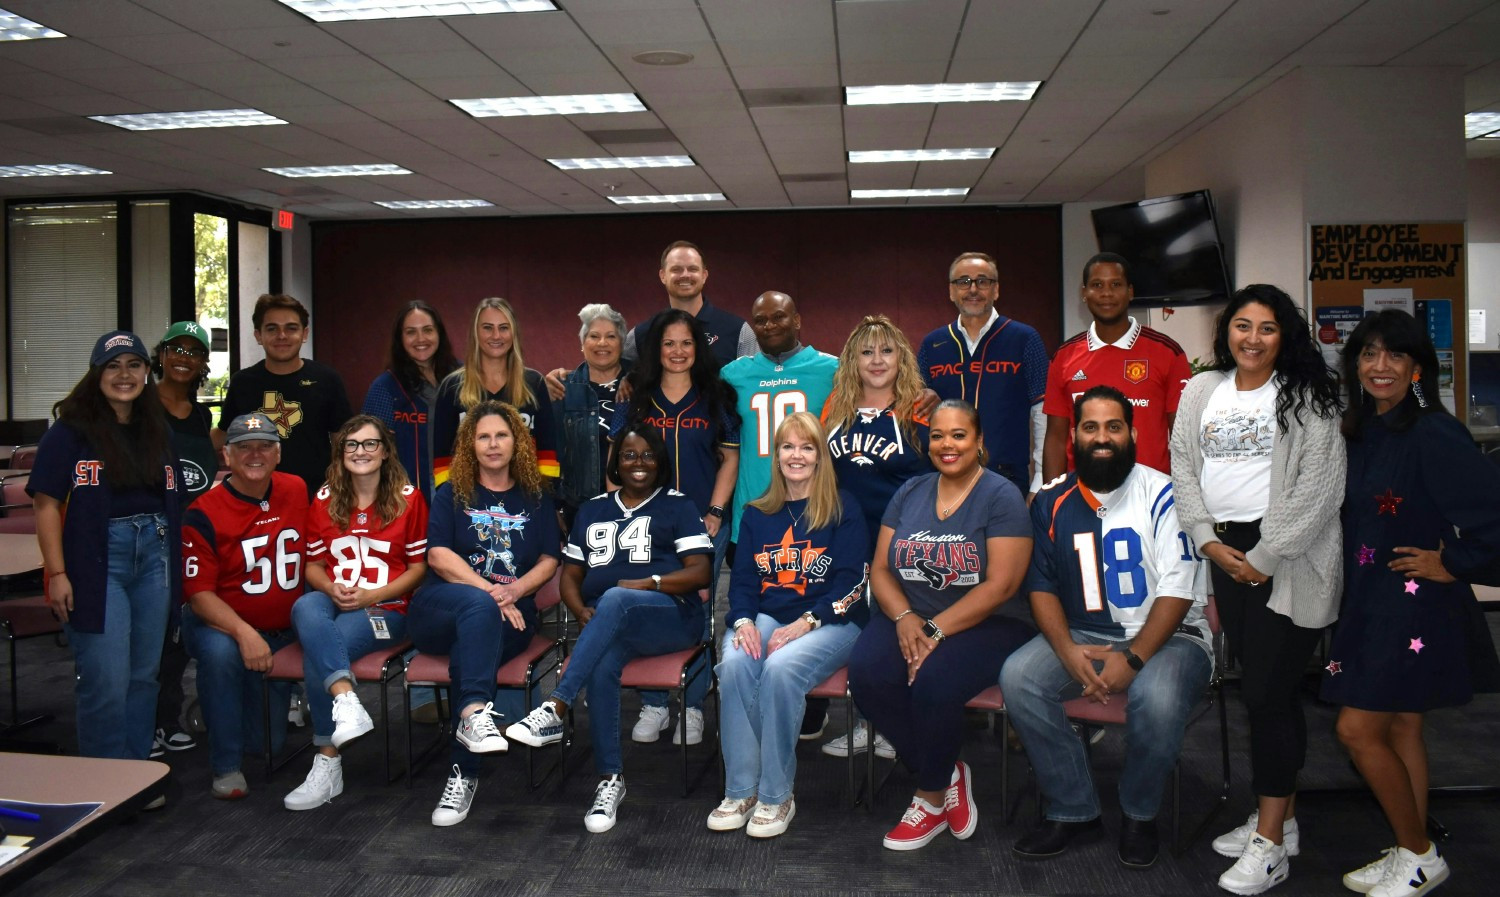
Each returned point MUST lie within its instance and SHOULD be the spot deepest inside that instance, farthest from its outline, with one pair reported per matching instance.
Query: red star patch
(1334, 668)
(1387, 503)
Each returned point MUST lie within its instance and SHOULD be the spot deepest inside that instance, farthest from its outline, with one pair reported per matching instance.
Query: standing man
(1118, 591)
(995, 363)
(1148, 367)
(305, 399)
(242, 550)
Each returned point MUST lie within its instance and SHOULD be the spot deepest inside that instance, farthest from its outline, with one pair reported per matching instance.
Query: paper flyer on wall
(1399, 299)
(1333, 326)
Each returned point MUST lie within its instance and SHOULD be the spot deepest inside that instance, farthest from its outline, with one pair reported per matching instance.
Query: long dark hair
(1307, 383)
(135, 455)
(654, 444)
(1398, 332)
(718, 397)
(409, 373)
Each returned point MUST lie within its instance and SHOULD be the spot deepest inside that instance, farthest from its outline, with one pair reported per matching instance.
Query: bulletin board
(1355, 269)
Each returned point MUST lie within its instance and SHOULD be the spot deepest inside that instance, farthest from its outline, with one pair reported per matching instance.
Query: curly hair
(1307, 383)
(1397, 331)
(389, 503)
(848, 388)
(463, 472)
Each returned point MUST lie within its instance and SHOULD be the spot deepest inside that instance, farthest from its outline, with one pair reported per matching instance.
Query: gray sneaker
(458, 795)
(231, 786)
(478, 733)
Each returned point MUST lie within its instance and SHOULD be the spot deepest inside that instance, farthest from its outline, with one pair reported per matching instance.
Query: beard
(1107, 473)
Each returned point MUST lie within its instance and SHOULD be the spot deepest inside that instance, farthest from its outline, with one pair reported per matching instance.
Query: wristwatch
(656, 579)
(1135, 662)
(931, 630)
(812, 619)
(717, 511)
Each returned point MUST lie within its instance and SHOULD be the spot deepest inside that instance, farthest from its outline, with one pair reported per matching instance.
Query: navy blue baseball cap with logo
(253, 426)
(116, 343)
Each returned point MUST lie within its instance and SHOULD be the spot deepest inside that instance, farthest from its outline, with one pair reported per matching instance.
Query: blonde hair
(823, 505)
(463, 471)
(389, 503)
(848, 388)
(515, 391)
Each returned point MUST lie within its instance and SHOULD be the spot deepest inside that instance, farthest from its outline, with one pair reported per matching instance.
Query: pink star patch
(1411, 587)
(1334, 668)
(1416, 646)
(1366, 555)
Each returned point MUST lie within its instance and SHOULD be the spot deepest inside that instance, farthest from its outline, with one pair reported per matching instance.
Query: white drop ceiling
(1124, 81)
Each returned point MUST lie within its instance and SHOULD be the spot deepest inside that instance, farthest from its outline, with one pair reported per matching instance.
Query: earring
(1416, 388)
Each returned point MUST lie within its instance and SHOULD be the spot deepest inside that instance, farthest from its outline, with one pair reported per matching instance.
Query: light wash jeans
(763, 704)
(1159, 699)
(230, 695)
(115, 686)
(331, 640)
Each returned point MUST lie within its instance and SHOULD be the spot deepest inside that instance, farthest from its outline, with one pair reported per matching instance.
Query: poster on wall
(1417, 267)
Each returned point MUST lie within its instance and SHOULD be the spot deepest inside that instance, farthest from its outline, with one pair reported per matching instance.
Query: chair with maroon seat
(23, 618)
(837, 686)
(990, 702)
(673, 673)
(19, 515)
(23, 457)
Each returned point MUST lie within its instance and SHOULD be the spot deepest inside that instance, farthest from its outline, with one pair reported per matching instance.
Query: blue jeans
(230, 695)
(627, 623)
(763, 704)
(654, 698)
(116, 669)
(464, 622)
(1158, 702)
(331, 639)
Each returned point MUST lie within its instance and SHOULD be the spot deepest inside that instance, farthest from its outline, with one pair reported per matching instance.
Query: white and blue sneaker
(1410, 874)
(1260, 868)
(540, 727)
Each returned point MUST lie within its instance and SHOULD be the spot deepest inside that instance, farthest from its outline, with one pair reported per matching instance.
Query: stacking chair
(23, 618)
(837, 686)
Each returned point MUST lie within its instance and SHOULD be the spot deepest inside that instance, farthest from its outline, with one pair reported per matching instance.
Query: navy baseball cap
(253, 426)
(116, 343)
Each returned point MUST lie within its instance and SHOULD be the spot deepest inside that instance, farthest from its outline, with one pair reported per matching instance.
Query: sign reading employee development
(1385, 253)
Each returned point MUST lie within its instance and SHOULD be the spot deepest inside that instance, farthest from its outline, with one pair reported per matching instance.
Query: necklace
(945, 513)
(796, 518)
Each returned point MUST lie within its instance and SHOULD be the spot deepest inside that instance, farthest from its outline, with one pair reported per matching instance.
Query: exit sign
(283, 220)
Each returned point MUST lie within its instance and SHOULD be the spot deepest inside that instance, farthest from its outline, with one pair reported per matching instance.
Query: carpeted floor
(377, 840)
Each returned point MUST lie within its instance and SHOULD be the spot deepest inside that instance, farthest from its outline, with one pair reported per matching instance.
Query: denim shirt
(581, 428)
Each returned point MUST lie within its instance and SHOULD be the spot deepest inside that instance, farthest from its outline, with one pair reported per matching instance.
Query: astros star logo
(286, 415)
(788, 560)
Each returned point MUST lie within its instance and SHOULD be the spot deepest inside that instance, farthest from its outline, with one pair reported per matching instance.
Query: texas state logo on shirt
(950, 559)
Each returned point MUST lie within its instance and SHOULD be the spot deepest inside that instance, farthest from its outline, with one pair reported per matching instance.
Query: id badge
(377, 624)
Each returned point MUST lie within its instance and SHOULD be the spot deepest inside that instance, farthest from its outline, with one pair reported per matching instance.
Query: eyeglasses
(637, 456)
(188, 351)
(965, 282)
(353, 445)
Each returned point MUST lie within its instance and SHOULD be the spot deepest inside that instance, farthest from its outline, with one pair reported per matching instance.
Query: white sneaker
(1410, 873)
(839, 747)
(1232, 843)
(694, 728)
(478, 733)
(653, 721)
(771, 820)
(350, 720)
(296, 712)
(324, 782)
(458, 795)
(1366, 877)
(538, 728)
(1261, 867)
(731, 814)
(607, 797)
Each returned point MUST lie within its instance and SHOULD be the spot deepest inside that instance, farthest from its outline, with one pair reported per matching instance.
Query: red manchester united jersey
(367, 554)
(1147, 366)
(248, 551)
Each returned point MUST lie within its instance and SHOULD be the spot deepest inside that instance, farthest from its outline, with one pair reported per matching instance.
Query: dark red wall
(837, 264)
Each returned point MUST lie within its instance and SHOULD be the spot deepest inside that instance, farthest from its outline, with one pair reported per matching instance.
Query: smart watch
(931, 630)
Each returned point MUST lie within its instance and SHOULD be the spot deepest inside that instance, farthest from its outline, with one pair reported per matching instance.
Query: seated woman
(953, 547)
(366, 551)
(632, 568)
(797, 599)
(492, 542)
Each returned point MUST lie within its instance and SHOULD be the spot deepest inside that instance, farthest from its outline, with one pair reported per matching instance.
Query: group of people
(877, 502)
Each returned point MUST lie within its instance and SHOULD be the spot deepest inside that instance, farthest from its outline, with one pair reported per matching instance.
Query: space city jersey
(612, 542)
(248, 551)
(1108, 559)
(308, 406)
(688, 432)
(367, 553)
(938, 561)
(501, 535)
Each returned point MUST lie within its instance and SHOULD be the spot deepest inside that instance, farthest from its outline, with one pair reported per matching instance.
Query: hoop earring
(1416, 388)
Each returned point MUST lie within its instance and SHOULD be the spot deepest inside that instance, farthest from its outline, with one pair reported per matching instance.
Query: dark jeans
(1273, 653)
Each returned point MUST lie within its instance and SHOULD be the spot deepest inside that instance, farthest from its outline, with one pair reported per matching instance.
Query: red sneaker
(958, 803)
(919, 824)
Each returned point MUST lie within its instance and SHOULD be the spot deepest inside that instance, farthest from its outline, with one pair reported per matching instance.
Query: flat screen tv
(1173, 246)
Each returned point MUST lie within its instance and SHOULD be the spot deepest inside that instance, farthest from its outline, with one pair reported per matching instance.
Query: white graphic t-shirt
(1237, 433)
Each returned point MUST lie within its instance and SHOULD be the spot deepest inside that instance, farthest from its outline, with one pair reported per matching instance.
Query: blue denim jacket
(579, 426)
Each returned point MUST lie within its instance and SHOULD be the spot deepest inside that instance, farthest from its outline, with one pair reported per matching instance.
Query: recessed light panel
(1478, 124)
(666, 197)
(14, 27)
(977, 92)
(337, 171)
(44, 171)
(206, 118)
(624, 162)
(568, 104)
(355, 10)
(902, 194)
(436, 204)
(921, 155)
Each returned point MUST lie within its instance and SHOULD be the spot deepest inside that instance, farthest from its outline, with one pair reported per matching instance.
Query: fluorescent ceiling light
(978, 92)
(1478, 124)
(14, 27)
(569, 104)
(43, 171)
(666, 197)
(922, 155)
(624, 162)
(336, 171)
(206, 118)
(436, 204)
(898, 194)
(353, 10)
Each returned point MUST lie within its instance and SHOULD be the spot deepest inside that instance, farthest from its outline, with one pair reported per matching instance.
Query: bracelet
(741, 622)
(57, 573)
(897, 617)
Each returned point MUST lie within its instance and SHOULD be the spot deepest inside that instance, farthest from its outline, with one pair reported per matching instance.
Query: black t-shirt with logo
(307, 406)
(195, 447)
